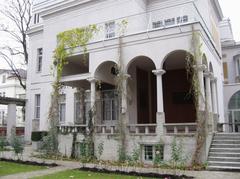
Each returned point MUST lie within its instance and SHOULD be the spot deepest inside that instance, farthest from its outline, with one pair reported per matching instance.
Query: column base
(160, 123)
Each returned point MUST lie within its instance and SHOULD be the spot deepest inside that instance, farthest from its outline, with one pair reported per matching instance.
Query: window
(39, 59)
(170, 21)
(62, 108)
(110, 30)
(81, 109)
(157, 24)
(37, 106)
(36, 18)
(225, 70)
(4, 79)
(148, 152)
(110, 105)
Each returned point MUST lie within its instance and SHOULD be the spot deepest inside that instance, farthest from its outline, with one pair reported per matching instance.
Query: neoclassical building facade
(156, 105)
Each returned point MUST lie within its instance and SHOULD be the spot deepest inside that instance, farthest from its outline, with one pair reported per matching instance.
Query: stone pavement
(66, 165)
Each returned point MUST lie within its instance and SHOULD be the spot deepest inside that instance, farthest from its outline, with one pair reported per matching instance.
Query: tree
(17, 15)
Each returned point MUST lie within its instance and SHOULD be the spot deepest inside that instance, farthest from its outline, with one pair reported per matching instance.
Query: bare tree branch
(18, 13)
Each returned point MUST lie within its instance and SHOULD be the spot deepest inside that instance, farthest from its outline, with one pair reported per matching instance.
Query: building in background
(231, 70)
(11, 88)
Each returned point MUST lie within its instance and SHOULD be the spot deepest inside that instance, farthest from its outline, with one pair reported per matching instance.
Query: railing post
(137, 130)
(146, 129)
(103, 129)
(175, 129)
(186, 129)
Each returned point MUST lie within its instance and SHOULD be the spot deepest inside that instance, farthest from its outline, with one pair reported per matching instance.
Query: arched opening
(142, 91)
(107, 99)
(234, 113)
(178, 101)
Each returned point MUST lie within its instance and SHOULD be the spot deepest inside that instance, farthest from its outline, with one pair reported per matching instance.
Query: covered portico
(12, 104)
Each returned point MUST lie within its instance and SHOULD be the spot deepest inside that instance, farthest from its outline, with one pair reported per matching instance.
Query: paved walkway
(66, 165)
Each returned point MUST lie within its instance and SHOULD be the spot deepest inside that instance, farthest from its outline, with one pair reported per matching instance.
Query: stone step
(226, 142)
(223, 154)
(227, 164)
(223, 168)
(224, 159)
(228, 134)
(225, 150)
(225, 146)
(223, 138)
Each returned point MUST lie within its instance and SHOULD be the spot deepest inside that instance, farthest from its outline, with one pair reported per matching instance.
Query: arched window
(234, 102)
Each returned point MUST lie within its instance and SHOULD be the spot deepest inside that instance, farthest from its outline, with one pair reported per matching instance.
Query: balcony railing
(180, 128)
(72, 128)
(142, 129)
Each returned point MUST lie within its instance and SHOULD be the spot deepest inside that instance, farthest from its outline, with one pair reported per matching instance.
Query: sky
(231, 10)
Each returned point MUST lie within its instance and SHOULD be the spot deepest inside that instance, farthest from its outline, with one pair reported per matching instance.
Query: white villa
(11, 88)
(154, 47)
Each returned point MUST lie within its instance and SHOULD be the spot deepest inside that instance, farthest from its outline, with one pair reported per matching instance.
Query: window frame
(110, 30)
(61, 106)
(37, 106)
(39, 60)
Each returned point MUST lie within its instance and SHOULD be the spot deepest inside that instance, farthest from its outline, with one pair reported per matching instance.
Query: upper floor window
(225, 71)
(37, 106)
(36, 18)
(39, 59)
(110, 30)
(4, 79)
(62, 108)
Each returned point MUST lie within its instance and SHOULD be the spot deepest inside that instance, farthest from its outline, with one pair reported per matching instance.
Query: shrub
(3, 143)
(38, 135)
(16, 142)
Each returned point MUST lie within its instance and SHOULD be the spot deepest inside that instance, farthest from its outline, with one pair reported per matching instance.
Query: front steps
(224, 153)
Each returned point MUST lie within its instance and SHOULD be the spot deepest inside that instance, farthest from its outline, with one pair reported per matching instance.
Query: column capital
(200, 67)
(126, 76)
(92, 79)
(159, 72)
(208, 74)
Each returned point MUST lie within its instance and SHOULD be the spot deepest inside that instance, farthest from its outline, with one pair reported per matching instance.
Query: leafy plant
(159, 149)
(100, 150)
(178, 160)
(16, 142)
(3, 143)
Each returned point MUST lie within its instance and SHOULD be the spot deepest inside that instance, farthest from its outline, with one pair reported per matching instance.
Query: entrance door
(234, 120)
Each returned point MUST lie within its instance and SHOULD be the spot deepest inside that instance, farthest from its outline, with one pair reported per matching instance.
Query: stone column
(93, 91)
(11, 118)
(208, 91)
(209, 101)
(92, 96)
(214, 103)
(160, 110)
(200, 70)
(124, 93)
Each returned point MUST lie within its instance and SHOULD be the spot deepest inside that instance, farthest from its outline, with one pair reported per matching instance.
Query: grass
(8, 168)
(77, 174)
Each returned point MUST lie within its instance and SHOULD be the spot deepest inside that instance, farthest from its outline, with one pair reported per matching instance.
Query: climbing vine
(120, 81)
(193, 67)
(67, 41)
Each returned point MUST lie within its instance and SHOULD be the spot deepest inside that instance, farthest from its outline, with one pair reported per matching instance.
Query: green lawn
(76, 174)
(8, 168)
